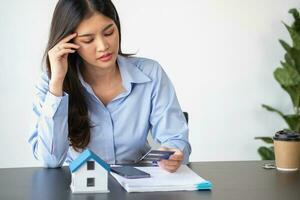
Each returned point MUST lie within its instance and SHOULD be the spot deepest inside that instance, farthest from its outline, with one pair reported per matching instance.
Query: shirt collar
(130, 73)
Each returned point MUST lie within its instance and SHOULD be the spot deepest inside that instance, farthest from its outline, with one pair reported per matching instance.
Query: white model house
(89, 174)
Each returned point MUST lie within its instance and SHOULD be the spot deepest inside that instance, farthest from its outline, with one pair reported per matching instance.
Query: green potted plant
(288, 76)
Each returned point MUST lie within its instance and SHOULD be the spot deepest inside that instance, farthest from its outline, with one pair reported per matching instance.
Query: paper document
(183, 179)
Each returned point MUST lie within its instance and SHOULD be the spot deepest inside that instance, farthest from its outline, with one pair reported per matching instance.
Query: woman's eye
(109, 33)
(88, 41)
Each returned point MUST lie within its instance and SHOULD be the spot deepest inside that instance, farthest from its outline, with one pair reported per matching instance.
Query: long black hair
(66, 17)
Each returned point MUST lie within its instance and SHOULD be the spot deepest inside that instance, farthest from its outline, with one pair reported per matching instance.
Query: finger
(167, 167)
(68, 38)
(64, 51)
(170, 169)
(171, 162)
(69, 46)
(176, 157)
(163, 149)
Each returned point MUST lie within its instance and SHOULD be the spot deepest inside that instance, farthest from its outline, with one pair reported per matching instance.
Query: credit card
(157, 155)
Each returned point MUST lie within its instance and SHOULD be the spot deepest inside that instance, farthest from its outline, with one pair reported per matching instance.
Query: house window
(90, 182)
(90, 165)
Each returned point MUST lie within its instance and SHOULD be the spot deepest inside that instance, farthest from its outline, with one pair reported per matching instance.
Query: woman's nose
(102, 45)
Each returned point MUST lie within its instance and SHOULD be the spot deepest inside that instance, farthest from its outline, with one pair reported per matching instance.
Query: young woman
(94, 96)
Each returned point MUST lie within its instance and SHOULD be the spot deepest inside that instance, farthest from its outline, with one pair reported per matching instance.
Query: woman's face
(98, 38)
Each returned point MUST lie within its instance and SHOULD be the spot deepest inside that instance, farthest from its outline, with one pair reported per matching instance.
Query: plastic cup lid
(287, 135)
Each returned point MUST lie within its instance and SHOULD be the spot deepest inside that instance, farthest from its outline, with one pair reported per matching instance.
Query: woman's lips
(105, 57)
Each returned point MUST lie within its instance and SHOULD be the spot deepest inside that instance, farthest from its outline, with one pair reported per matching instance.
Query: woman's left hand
(174, 162)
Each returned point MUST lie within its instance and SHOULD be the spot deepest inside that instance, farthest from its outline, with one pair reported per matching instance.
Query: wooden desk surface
(237, 180)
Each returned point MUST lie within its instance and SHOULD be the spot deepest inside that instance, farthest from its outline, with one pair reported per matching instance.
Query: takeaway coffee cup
(287, 150)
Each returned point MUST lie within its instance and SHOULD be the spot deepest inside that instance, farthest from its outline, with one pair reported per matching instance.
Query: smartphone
(130, 172)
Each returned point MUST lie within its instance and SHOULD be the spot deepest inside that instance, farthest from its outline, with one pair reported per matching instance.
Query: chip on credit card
(157, 155)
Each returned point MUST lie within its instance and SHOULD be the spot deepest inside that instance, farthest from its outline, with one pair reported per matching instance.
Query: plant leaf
(294, 35)
(294, 55)
(285, 45)
(293, 121)
(267, 140)
(269, 108)
(293, 91)
(289, 62)
(295, 13)
(266, 153)
(287, 76)
(296, 24)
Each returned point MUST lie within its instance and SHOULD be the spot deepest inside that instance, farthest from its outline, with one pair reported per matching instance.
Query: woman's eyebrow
(91, 34)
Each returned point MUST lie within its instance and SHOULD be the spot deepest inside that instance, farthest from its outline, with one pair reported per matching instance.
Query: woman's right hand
(58, 57)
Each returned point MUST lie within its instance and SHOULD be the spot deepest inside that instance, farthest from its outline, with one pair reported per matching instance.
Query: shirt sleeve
(168, 124)
(49, 132)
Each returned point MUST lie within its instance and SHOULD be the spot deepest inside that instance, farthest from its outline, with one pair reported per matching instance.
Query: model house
(89, 174)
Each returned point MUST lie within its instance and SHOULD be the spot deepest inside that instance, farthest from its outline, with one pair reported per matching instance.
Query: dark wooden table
(240, 180)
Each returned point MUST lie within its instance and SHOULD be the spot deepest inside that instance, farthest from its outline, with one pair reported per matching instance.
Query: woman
(94, 96)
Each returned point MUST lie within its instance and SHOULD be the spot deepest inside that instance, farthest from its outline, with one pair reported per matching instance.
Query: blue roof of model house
(84, 157)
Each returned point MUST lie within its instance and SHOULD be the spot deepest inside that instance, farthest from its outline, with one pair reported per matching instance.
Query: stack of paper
(183, 179)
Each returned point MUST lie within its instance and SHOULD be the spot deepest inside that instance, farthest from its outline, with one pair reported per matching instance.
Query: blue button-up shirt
(119, 129)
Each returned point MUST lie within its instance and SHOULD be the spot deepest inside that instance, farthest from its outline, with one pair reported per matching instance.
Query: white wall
(220, 56)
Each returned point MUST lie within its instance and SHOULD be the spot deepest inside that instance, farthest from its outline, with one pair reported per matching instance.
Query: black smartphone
(130, 172)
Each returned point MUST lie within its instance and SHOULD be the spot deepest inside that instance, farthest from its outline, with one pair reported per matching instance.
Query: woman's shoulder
(147, 65)
(142, 61)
